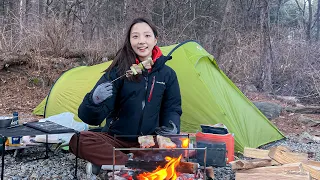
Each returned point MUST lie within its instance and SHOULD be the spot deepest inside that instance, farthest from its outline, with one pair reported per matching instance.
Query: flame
(185, 142)
(167, 172)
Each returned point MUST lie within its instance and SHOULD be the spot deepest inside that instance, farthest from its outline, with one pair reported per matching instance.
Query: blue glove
(163, 130)
(102, 92)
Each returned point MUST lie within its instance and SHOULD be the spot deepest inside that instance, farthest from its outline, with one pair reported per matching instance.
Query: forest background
(271, 45)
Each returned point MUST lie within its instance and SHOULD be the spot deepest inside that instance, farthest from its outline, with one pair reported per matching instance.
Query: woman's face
(142, 40)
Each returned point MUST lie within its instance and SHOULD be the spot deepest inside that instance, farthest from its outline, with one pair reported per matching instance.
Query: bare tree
(307, 23)
(266, 58)
(317, 19)
(223, 28)
(134, 9)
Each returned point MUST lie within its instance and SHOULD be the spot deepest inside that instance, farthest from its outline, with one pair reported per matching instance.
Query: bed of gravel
(61, 165)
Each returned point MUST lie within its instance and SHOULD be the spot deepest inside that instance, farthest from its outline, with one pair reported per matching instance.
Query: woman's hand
(163, 130)
(102, 92)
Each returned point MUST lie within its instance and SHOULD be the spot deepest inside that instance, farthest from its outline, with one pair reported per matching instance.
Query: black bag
(213, 130)
(216, 153)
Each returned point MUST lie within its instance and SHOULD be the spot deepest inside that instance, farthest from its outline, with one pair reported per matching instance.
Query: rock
(306, 135)
(270, 110)
(34, 176)
(250, 88)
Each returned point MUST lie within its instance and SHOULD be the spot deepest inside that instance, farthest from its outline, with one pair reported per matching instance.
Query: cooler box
(228, 139)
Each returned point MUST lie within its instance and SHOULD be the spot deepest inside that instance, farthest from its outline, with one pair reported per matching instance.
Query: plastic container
(228, 139)
(15, 141)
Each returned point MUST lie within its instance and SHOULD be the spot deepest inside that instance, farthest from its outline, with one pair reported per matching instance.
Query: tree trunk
(27, 13)
(266, 59)
(134, 9)
(223, 30)
(318, 21)
(278, 19)
(14, 15)
(309, 23)
(22, 11)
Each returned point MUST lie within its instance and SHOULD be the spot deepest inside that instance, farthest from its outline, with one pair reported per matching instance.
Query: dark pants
(97, 148)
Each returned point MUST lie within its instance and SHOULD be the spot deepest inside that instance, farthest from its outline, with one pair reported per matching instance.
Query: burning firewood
(182, 167)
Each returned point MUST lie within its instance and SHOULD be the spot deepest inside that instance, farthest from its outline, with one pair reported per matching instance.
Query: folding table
(28, 131)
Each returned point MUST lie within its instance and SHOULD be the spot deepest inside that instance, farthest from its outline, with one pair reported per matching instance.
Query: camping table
(28, 131)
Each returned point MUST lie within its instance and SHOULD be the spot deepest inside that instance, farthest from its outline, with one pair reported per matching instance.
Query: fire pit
(161, 163)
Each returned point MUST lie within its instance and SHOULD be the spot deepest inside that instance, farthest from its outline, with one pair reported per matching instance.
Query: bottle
(17, 140)
(15, 119)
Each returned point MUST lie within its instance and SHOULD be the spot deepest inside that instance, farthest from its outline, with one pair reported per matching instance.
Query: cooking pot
(5, 121)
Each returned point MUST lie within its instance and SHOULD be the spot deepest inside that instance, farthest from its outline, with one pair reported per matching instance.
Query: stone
(270, 110)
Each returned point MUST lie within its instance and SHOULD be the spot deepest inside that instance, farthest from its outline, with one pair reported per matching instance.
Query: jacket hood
(158, 58)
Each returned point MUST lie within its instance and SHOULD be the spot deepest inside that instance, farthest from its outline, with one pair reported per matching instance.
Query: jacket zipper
(151, 90)
(143, 106)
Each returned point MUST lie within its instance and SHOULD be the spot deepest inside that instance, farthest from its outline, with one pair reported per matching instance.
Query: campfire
(161, 163)
(167, 172)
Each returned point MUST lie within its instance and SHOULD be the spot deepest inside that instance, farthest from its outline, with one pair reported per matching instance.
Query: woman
(146, 103)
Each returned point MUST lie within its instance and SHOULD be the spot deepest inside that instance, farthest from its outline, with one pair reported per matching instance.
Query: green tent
(208, 96)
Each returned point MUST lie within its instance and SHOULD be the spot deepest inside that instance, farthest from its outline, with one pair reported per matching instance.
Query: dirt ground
(22, 88)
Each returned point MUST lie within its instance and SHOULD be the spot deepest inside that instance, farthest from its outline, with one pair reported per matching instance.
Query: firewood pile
(277, 163)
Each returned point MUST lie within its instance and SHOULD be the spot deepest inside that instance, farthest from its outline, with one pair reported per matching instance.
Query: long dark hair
(125, 56)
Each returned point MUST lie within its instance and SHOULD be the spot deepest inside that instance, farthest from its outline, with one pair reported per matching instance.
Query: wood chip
(249, 164)
(313, 172)
(277, 176)
(293, 167)
(283, 157)
(256, 153)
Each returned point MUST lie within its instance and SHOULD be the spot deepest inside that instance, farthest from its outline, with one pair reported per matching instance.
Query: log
(277, 176)
(9, 59)
(210, 172)
(249, 164)
(261, 154)
(187, 167)
(311, 137)
(256, 153)
(313, 172)
(283, 157)
(313, 164)
(288, 99)
(183, 167)
(304, 110)
(297, 167)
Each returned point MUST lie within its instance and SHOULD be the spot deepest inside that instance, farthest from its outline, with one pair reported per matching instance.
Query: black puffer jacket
(137, 108)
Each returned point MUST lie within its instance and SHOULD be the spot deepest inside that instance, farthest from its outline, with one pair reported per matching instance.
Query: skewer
(118, 78)
(130, 72)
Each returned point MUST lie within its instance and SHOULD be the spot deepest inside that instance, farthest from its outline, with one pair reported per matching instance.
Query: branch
(299, 7)
(143, 4)
(250, 6)
(189, 24)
